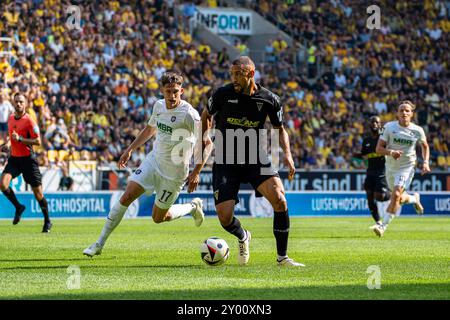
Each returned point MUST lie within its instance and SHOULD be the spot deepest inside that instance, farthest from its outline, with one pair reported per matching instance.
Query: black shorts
(28, 167)
(376, 183)
(228, 178)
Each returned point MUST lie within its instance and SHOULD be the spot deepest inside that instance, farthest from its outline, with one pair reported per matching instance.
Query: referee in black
(241, 108)
(23, 134)
(375, 183)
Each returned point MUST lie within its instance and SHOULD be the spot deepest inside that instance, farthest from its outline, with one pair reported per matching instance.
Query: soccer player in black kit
(241, 108)
(375, 184)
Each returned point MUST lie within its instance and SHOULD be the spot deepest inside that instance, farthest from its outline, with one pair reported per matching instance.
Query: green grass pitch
(143, 260)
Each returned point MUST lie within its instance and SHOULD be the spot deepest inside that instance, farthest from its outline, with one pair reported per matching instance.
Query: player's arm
(383, 150)
(425, 153)
(202, 154)
(143, 136)
(206, 142)
(276, 119)
(383, 140)
(33, 133)
(26, 141)
(285, 146)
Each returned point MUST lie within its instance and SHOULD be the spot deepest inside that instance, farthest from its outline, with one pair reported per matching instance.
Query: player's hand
(425, 169)
(290, 165)
(193, 180)
(124, 159)
(396, 154)
(15, 136)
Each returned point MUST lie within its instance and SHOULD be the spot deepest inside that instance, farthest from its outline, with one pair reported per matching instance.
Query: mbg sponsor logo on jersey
(243, 122)
(164, 128)
(403, 141)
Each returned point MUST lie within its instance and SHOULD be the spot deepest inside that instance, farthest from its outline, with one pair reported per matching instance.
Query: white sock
(410, 199)
(112, 221)
(382, 207)
(179, 210)
(388, 218)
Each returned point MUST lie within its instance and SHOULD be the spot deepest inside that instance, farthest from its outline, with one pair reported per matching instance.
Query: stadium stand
(93, 89)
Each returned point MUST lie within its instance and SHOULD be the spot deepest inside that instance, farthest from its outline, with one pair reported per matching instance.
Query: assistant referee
(23, 134)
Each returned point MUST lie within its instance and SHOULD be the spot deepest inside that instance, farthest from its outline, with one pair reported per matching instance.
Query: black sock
(9, 193)
(235, 228)
(281, 231)
(373, 210)
(44, 207)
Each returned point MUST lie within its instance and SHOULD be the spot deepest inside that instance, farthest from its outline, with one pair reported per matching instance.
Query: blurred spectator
(6, 109)
(94, 89)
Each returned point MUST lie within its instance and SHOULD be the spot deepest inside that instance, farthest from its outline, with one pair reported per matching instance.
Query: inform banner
(98, 204)
(225, 21)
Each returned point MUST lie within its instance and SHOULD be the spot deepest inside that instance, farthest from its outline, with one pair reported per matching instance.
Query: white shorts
(401, 177)
(167, 191)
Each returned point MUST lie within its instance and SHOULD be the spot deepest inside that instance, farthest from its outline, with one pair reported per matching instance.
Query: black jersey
(376, 161)
(240, 120)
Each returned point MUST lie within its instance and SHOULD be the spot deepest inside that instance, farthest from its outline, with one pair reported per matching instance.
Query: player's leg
(32, 175)
(10, 172)
(394, 205)
(414, 198)
(382, 196)
(369, 184)
(392, 183)
(382, 201)
(231, 224)
(396, 182)
(373, 208)
(164, 208)
(141, 180)
(226, 182)
(11, 196)
(225, 213)
(272, 189)
(133, 191)
(39, 195)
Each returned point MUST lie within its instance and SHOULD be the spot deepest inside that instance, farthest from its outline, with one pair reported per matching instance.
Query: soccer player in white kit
(398, 143)
(163, 171)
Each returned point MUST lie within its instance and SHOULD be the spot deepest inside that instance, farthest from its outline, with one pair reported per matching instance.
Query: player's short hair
(171, 77)
(243, 62)
(18, 94)
(412, 105)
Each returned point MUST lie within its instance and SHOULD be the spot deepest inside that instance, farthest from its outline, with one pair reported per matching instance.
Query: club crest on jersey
(173, 118)
(259, 105)
(216, 195)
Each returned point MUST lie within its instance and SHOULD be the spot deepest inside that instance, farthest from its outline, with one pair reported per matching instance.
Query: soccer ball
(214, 251)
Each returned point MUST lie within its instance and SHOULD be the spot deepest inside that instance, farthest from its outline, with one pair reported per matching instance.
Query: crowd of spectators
(362, 72)
(92, 86)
